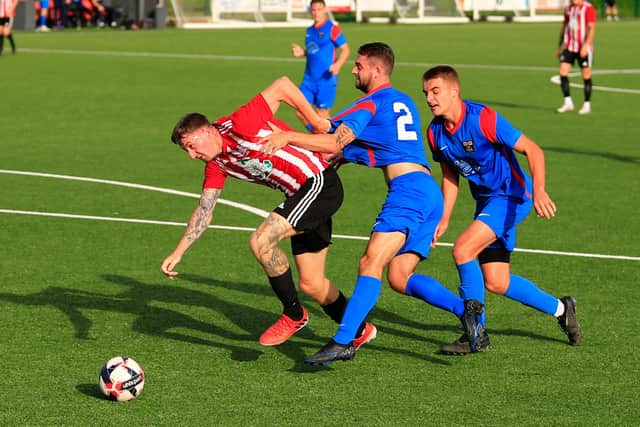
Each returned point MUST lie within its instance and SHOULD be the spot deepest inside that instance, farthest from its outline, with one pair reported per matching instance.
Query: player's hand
(297, 50)
(275, 141)
(335, 159)
(584, 51)
(334, 69)
(558, 52)
(543, 204)
(168, 264)
(440, 230)
(321, 126)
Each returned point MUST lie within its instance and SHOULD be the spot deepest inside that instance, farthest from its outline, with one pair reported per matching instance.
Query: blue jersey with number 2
(386, 124)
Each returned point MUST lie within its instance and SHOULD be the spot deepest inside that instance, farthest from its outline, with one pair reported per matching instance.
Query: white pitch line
(337, 236)
(245, 58)
(241, 206)
(556, 79)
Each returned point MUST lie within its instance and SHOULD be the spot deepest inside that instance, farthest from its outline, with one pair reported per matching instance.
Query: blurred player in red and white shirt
(7, 12)
(576, 43)
(230, 147)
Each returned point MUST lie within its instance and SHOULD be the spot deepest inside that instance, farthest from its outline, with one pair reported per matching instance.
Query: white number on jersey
(406, 119)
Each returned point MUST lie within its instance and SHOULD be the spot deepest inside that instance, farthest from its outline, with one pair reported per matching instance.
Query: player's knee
(397, 280)
(461, 254)
(496, 286)
(370, 266)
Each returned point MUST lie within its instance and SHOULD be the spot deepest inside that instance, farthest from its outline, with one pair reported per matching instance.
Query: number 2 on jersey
(406, 119)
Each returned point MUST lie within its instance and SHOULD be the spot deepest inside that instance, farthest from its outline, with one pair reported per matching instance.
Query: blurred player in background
(229, 147)
(320, 80)
(473, 141)
(42, 17)
(576, 44)
(382, 130)
(7, 13)
(611, 10)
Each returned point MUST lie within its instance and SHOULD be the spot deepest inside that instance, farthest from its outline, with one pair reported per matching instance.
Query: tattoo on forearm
(201, 217)
(344, 135)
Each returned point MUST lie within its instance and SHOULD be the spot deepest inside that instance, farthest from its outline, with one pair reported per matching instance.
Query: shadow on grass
(91, 390)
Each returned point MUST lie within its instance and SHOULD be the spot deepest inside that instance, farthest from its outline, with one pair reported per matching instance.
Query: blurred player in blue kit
(320, 80)
(382, 130)
(473, 141)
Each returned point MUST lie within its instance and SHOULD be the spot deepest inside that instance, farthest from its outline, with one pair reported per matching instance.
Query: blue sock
(527, 293)
(364, 298)
(431, 291)
(472, 283)
(43, 20)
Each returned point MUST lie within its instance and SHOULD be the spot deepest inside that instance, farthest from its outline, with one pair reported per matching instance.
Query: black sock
(13, 44)
(1, 43)
(588, 85)
(335, 310)
(564, 85)
(285, 290)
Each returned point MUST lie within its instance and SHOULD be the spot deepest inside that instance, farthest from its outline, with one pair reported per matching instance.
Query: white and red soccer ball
(121, 379)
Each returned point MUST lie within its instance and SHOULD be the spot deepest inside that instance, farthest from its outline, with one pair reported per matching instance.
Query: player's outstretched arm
(320, 143)
(198, 223)
(283, 90)
(542, 203)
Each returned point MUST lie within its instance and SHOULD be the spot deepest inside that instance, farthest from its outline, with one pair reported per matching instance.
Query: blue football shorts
(320, 92)
(414, 207)
(502, 215)
(44, 4)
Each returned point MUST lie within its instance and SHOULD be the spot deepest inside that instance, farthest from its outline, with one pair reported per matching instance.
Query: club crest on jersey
(258, 169)
(468, 146)
(320, 35)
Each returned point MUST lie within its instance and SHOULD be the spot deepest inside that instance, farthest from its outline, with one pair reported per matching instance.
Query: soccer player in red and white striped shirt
(230, 147)
(576, 43)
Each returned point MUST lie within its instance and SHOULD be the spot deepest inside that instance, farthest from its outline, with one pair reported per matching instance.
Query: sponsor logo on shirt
(258, 169)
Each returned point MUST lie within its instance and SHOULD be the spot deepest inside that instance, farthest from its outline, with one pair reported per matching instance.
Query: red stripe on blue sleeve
(488, 120)
(369, 106)
(335, 32)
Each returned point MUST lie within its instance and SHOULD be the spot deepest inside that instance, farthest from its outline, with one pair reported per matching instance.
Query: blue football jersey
(386, 124)
(480, 148)
(321, 44)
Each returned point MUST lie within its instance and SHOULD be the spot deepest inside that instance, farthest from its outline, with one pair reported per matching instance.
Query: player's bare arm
(297, 50)
(591, 30)
(342, 58)
(450, 188)
(283, 90)
(266, 238)
(321, 143)
(198, 223)
(544, 206)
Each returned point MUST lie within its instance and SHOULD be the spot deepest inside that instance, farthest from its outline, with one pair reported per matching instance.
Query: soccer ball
(121, 379)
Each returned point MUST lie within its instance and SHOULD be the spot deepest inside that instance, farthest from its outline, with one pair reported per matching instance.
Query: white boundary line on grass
(242, 206)
(555, 79)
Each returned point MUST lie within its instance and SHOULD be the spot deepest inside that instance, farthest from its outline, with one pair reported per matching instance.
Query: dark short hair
(381, 51)
(187, 124)
(445, 72)
(317, 1)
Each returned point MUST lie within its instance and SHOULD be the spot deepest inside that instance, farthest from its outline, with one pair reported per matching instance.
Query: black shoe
(461, 347)
(471, 323)
(330, 353)
(568, 321)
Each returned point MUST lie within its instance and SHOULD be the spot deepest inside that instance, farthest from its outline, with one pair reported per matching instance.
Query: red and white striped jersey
(6, 9)
(241, 157)
(576, 19)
